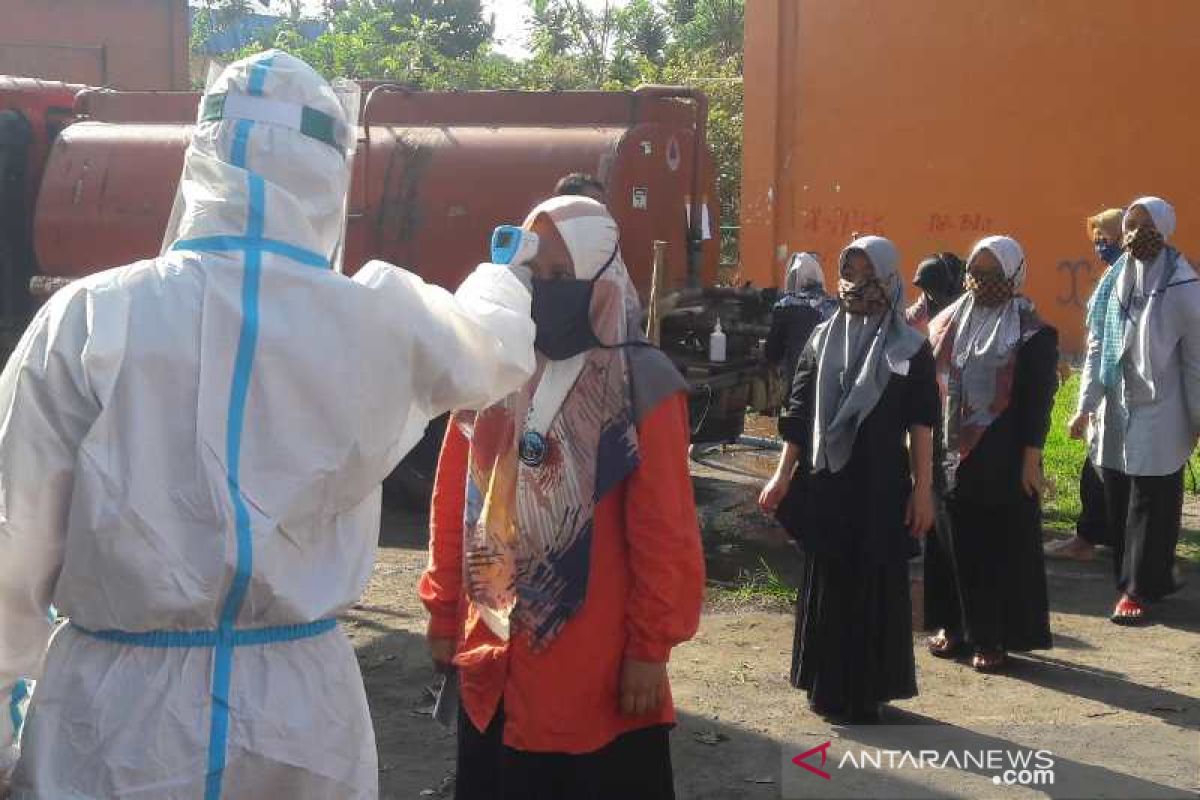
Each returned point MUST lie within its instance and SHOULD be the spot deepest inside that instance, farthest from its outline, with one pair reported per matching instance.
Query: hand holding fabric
(1078, 425)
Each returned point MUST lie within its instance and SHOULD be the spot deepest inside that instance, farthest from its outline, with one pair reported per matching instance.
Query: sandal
(989, 661)
(1129, 611)
(943, 645)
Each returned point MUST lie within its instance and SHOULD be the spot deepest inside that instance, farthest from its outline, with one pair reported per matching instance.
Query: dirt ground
(1119, 708)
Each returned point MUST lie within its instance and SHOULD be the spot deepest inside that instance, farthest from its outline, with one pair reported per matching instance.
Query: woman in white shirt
(1141, 391)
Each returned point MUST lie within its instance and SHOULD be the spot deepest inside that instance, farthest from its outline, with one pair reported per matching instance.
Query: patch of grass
(1189, 546)
(1063, 458)
(761, 586)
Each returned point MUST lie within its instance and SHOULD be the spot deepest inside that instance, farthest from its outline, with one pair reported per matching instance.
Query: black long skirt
(985, 576)
(634, 766)
(853, 643)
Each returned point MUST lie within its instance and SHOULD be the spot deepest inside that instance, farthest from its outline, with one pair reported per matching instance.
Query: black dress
(791, 326)
(853, 641)
(985, 577)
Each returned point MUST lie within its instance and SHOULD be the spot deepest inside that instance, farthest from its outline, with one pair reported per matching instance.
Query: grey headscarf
(804, 285)
(856, 356)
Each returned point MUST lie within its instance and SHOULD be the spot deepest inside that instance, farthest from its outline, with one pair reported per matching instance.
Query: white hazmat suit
(191, 453)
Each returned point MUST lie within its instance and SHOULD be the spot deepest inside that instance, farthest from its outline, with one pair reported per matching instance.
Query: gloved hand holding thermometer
(513, 247)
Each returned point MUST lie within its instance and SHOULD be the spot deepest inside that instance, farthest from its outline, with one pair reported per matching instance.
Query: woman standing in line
(803, 307)
(985, 578)
(1091, 529)
(854, 486)
(1140, 390)
(940, 279)
(565, 559)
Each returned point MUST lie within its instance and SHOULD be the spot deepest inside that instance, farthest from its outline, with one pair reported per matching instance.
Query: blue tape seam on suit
(222, 677)
(227, 636)
(19, 692)
(242, 637)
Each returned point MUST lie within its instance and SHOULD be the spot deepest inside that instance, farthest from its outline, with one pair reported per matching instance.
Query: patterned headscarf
(975, 347)
(528, 529)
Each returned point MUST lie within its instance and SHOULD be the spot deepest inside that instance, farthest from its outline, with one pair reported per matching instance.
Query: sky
(511, 19)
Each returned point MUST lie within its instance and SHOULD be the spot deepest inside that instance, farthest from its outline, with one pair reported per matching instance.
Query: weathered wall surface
(936, 123)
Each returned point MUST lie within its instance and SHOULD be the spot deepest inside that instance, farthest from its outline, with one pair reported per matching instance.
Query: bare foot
(1075, 548)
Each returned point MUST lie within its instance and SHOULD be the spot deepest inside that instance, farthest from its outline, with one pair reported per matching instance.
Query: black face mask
(562, 311)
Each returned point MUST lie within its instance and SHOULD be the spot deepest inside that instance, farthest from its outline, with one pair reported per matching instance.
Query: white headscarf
(1144, 340)
(975, 349)
(1162, 212)
(991, 333)
(856, 356)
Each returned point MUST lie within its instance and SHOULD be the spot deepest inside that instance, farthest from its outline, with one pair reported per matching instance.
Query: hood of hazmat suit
(191, 453)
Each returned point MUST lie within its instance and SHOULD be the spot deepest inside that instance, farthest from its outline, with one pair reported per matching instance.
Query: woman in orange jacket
(565, 558)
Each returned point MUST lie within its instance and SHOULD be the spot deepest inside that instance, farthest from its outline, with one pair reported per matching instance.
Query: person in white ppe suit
(191, 453)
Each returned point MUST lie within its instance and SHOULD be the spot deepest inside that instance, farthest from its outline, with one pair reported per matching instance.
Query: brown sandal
(943, 645)
(989, 661)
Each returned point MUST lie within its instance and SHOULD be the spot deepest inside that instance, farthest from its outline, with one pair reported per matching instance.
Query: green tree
(455, 28)
(569, 28)
(643, 30)
(716, 24)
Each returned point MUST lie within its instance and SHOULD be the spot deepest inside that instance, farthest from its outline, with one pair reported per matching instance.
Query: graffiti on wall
(839, 221)
(966, 222)
(1079, 276)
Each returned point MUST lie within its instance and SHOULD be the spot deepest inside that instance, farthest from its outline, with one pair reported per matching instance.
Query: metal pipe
(760, 442)
(657, 277)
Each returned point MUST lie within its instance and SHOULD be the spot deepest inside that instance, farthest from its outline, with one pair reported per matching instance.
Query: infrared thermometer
(513, 245)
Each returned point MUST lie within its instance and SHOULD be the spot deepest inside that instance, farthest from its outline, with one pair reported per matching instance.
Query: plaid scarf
(1105, 321)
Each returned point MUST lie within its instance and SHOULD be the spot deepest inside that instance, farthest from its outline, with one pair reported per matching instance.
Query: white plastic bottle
(716, 344)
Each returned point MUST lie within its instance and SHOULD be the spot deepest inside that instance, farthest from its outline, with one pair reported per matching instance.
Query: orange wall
(123, 44)
(936, 122)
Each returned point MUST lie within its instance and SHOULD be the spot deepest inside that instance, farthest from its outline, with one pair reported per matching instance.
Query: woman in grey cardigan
(1141, 391)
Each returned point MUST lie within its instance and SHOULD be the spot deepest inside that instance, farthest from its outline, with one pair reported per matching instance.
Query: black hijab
(940, 277)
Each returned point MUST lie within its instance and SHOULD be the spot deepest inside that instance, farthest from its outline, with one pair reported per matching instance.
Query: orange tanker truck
(434, 173)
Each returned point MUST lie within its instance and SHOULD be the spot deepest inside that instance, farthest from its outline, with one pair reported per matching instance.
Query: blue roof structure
(248, 29)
